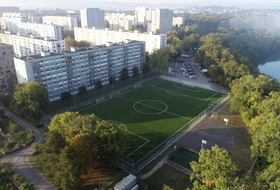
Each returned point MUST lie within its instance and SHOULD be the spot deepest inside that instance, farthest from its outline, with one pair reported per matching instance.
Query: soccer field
(152, 113)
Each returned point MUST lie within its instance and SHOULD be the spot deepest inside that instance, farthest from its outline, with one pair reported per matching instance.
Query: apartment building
(178, 21)
(66, 22)
(68, 70)
(6, 64)
(92, 17)
(25, 45)
(22, 26)
(161, 20)
(102, 36)
(119, 21)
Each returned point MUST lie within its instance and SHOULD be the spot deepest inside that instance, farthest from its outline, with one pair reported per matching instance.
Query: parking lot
(199, 79)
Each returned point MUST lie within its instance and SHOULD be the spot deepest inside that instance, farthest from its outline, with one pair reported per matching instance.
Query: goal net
(137, 85)
(115, 94)
(100, 100)
(188, 84)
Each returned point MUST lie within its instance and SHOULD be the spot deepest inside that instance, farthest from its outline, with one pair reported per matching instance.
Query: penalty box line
(176, 93)
(211, 96)
(147, 141)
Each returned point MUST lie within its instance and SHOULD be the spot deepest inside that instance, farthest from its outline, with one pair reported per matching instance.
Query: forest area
(230, 48)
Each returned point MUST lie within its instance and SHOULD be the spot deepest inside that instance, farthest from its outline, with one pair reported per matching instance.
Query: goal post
(100, 100)
(188, 84)
(115, 94)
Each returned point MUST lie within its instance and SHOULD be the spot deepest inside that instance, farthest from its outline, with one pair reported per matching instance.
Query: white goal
(188, 84)
(115, 94)
(100, 100)
(137, 85)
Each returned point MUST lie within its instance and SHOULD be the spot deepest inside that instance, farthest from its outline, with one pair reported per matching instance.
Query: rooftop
(75, 50)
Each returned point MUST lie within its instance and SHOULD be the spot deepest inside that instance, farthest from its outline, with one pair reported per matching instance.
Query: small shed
(127, 183)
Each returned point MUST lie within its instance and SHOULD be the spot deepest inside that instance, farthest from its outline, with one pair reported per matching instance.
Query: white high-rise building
(31, 45)
(141, 13)
(92, 17)
(102, 36)
(178, 21)
(68, 70)
(66, 22)
(120, 21)
(21, 26)
(162, 20)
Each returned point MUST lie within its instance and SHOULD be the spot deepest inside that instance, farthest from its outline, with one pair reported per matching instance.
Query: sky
(132, 4)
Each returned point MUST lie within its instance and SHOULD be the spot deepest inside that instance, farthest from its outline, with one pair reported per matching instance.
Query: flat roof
(78, 49)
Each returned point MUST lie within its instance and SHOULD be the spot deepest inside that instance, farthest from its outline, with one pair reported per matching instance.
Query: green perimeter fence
(77, 101)
(134, 167)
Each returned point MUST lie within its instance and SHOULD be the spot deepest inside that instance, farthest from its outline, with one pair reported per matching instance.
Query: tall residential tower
(92, 17)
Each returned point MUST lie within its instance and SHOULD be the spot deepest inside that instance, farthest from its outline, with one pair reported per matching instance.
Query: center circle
(150, 107)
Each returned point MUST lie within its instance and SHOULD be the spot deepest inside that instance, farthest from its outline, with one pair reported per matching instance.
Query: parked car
(192, 76)
(185, 74)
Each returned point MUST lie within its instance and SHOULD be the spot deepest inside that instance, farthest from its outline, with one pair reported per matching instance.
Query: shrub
(9, 145)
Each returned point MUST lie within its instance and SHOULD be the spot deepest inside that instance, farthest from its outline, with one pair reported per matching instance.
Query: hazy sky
(132, 4)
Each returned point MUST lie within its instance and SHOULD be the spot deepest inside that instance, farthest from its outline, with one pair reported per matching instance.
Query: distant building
(161, 20)
(22, 26)
(178, 21)
(140, 14)
(120, 21)
(66, 22)
(102, 36)
(31, 45)
(92, 17)
(8, 9)
(7, 64)
(68, 70)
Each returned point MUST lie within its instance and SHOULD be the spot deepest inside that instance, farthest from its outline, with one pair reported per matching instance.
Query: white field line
(168, 91)
(147, 141)
(179, 86)
(154, 107)
(211, 96)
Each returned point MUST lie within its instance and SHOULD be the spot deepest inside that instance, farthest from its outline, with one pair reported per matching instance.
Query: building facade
(178, 21)
(22, 26)
(68, 70)
(66, 22)
(30, 45)
(6, 64)
(92, 17)
(161, 20)
(98, 37)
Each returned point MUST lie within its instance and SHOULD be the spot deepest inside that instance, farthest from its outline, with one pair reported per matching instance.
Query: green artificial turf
(153, 113)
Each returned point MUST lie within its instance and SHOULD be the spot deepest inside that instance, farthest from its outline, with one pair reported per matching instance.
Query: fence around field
(135, 167)
(77, 101)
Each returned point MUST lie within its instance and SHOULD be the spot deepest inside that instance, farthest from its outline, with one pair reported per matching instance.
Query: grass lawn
(152, 114)
(169, 176)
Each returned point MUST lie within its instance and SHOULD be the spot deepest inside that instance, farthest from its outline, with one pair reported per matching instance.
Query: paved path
(19, 159)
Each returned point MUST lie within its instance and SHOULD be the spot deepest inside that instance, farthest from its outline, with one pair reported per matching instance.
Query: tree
(135, 71)
(69, 42)
(11, 81)
(146, 68)
(98, 84)
(65, 95)
(82, 43)
(68, 169)
(30, 99)
(82, 89)
(160, 59)
(112, 80)
(214, 167)
(124, 74)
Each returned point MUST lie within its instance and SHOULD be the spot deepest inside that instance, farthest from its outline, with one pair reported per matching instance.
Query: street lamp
(203, 142)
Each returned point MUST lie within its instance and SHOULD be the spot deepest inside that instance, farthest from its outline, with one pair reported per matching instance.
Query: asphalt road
(19, 159)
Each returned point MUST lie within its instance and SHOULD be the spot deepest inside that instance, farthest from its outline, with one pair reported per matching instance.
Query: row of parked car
(202, 69)
(187, 71)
